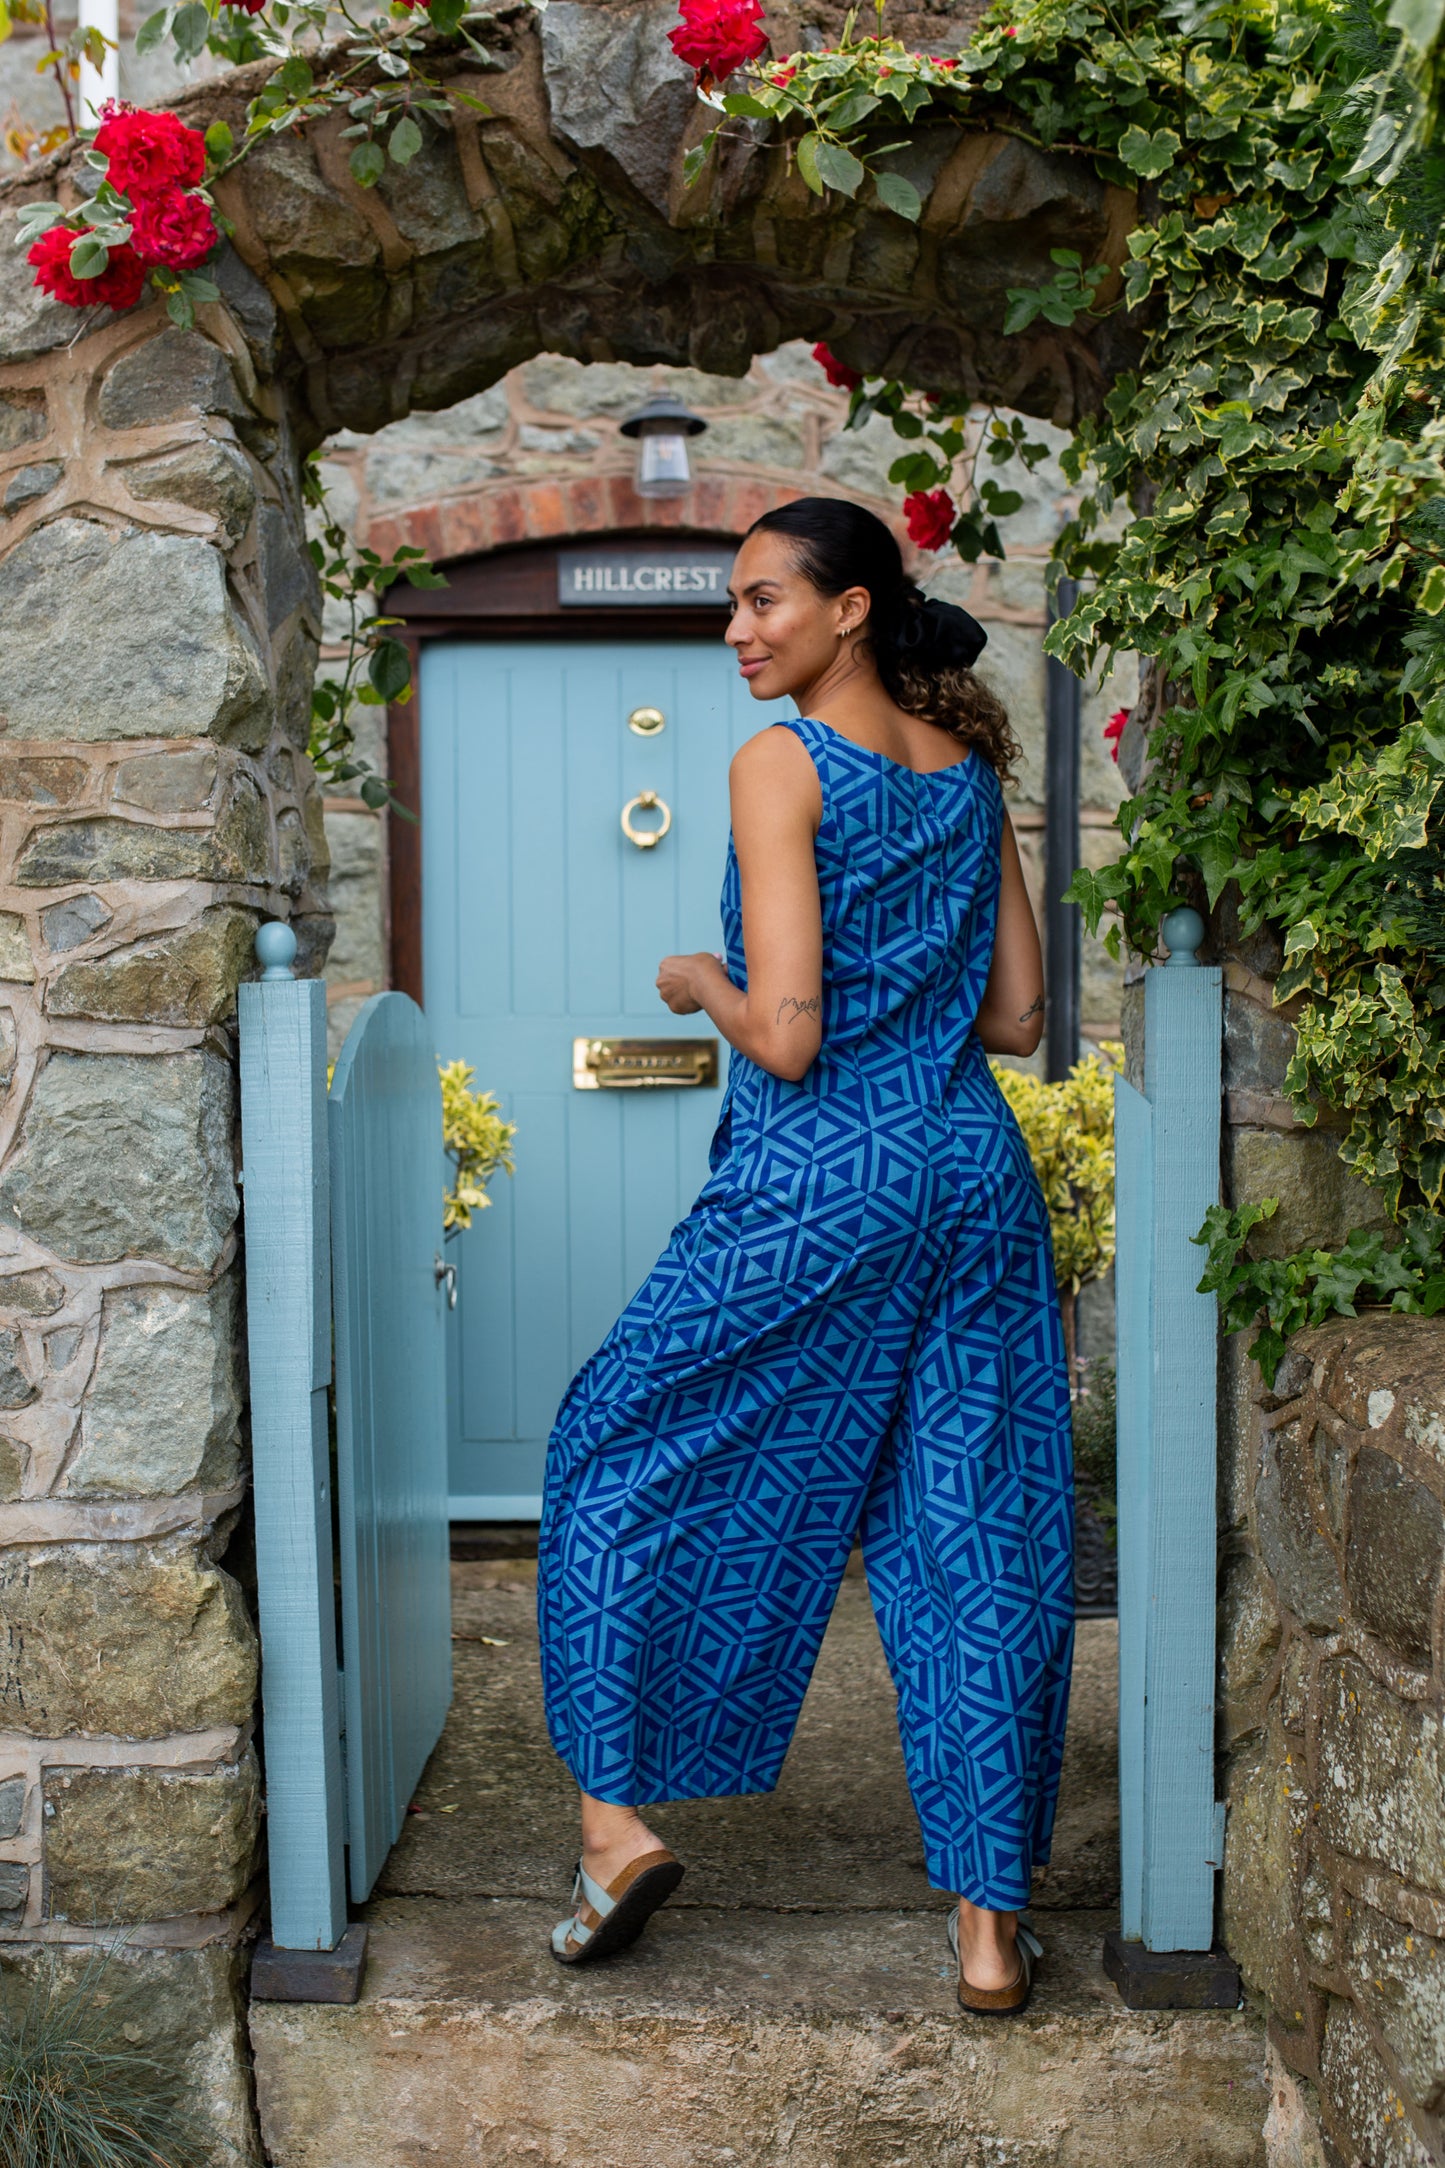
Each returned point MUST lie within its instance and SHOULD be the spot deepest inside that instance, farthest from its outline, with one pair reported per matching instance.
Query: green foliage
(375, 70)
(477, 1141)
(1096, 1440)
(1280, 445)
(1281, 1295)
(73, 2092)
(1069, 1130)
(375, 665)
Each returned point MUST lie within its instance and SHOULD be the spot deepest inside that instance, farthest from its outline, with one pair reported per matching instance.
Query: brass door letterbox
(624, 1064)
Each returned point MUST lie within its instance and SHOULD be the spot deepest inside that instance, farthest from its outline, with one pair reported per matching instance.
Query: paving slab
(498, 1816)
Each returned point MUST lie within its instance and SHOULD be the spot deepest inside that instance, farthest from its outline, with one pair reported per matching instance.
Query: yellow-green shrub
(476, 1138)
(1069, 1130)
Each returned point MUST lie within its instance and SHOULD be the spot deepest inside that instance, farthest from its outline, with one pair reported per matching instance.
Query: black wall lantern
(661, 428)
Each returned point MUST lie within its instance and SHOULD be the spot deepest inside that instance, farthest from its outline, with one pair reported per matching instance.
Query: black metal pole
(1062, 925)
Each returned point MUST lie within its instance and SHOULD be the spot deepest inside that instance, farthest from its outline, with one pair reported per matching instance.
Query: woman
(855, 1329)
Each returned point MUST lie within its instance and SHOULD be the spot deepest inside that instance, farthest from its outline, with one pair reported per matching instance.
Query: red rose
(781, 77)
(1114, 730)
(174, 229)
(252, 7)
(930, 516)
(148, 152)
(717, 37)
(118, 286)
(838, 373)
(939, 61)
(1009, 31)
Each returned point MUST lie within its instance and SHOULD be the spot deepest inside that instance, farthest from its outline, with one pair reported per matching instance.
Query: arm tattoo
(1034, 1009)
(809, 1007)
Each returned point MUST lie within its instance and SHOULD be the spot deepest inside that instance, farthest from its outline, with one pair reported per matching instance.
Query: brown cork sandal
(998, 2001)
(610, 1919)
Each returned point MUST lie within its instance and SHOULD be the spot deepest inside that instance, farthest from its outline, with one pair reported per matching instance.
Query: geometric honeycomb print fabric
(855, 1329)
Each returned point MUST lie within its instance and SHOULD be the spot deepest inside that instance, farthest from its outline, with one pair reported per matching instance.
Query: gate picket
(391, 1424)
(1167, 1156)
(288, 1333)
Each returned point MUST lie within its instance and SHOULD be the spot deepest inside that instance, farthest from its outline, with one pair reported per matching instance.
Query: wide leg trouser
(804, 1362)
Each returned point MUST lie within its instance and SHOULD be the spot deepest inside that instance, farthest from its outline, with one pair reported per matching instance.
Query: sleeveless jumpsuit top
(855, 1330)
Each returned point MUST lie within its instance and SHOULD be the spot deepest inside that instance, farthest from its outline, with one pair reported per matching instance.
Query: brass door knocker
(646, 801)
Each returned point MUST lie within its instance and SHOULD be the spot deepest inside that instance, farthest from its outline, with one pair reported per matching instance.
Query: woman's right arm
(777, 804)
(1010, 1016)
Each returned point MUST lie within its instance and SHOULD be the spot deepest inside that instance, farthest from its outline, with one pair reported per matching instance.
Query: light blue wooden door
(543, 923)
(391, 1418)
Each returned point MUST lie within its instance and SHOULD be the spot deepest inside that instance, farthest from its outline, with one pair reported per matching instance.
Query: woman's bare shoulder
(775, 767)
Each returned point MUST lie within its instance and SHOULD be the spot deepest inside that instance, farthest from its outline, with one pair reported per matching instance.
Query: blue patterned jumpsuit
(854, 1328)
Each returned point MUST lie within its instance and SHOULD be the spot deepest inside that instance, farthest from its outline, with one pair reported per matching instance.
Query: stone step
(791, 2005)
(802, 2039)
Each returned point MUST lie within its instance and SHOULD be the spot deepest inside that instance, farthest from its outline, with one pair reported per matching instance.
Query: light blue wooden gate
(1167, 1160)
(387, 1173)
(542, 924)
(345, 1197)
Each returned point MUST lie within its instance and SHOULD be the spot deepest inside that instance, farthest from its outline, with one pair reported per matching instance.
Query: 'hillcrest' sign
(644, 576)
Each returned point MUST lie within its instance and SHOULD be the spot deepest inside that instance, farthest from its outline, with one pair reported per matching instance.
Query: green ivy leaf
(190, 29)
(368, 163)
(219, 141)
(838, 168)
(746, 107)
(389, 669)
(1431, 598)
(695, 159)
(446, 16)
(89, 256)
(807, 157)
(1150, 155)
(405, 141)
(153, 29)
(849, 110)
(899, 195)
(295, 77)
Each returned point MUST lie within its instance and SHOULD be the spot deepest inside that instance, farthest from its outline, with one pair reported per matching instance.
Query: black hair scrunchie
(939, 635)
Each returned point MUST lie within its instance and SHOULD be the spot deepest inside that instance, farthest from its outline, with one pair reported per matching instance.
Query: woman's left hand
(679, 979)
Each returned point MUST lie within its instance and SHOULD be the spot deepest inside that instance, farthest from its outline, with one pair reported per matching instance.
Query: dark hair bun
(923, 649)
(937, 635)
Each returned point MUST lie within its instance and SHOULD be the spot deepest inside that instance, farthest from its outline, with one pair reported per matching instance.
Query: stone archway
(562, 224)
(159, 620)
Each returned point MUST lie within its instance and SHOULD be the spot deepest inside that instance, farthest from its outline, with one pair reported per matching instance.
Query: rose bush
(148, 223)
(147, 153)
(930, 515)
(176, 230)
(838, 373)
(717, 37)
(117, 286)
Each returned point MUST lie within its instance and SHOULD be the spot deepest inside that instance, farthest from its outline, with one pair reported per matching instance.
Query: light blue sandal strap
(575, 1930)
(1027, 1939)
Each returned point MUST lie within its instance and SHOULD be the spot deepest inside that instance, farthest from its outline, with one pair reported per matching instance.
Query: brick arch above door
(504, 515)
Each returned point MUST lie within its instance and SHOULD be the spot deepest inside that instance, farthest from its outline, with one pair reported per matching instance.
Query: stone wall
(158, 624)
(538, 457)
(1332, 1727)
(1332, 1535)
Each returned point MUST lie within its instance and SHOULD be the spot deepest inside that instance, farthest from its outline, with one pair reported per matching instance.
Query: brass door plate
(626, 1064)
(647, 721)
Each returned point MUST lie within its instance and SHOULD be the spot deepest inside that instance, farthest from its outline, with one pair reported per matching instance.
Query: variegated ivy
(1280, 447)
